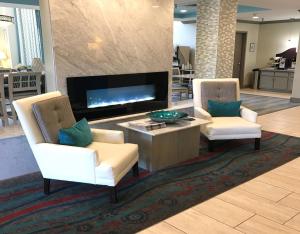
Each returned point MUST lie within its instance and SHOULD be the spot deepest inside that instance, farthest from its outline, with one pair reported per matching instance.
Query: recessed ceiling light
(255, 16)
(183, 11)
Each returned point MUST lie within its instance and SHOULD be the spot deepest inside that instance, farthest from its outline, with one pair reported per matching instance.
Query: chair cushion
(230, 126)
(114, 160)
(78, 135)
(224, 109)
(218, 91)
(52, 115)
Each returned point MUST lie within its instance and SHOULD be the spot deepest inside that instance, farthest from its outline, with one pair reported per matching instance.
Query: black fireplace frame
(77, 87)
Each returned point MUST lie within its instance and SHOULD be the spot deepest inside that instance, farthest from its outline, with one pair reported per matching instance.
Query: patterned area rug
(75, 208)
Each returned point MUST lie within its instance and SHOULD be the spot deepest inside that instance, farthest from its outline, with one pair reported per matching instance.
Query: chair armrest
(248, 114)
(201, 113)
(63, 162)
(108, 136)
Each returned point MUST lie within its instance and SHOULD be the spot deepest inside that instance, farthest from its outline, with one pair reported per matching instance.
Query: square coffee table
(164, 147)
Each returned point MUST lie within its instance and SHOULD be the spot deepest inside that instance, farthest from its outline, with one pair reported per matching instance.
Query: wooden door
(239, 57)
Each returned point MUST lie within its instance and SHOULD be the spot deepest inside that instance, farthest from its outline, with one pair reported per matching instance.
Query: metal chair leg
(47, 186)
(257, 143)
(210, 145)
(113, 195)
(135, 170)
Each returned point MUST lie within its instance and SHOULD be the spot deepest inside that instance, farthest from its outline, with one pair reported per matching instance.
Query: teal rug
(84, 208)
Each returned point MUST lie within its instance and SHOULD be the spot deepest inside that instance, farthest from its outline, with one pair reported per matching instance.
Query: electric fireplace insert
(97, 97)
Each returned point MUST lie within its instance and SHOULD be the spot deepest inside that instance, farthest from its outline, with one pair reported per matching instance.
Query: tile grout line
(291, 218)
(174, 226)
(245, 220)
(212, 218)
(274, 185)
(262, 196)
(285, 197)
(263, 215)
(219, 220)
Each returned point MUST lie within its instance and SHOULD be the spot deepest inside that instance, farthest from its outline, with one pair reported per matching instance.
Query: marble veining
(102, 37)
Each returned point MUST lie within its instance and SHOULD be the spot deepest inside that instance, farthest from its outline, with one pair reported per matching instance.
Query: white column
(215, 38)
(51, 79)
(207, 38)
(296, 84)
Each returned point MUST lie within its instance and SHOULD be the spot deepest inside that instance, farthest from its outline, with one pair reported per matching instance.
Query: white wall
(274, 39)
(12, 37)
(184, 34)
(252, 31)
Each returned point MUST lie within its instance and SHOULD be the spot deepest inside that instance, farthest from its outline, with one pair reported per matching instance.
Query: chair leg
(135, 170)
(113, 194)
(257, 143)
(210, 145)
(47, 186)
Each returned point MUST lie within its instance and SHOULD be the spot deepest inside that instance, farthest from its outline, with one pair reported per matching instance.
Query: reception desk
(276, 80)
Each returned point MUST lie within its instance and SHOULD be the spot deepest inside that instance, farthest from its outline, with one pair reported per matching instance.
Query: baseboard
(295, 100)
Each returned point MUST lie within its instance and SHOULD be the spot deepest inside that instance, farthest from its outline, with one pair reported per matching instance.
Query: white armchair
(224, 128)
(104, 162)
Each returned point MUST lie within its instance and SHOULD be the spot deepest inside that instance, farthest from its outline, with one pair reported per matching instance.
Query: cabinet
(276, 80)
(290, 84)
(266, 82)
(281, 83)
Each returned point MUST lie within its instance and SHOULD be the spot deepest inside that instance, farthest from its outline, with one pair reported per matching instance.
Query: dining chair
(22, 85)
(3, 112)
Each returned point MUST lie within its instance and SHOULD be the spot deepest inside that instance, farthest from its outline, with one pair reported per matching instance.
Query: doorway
(239, 56)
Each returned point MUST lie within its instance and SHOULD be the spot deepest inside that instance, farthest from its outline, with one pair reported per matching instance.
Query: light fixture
(2, 57)
(183, 11)
(6, 20)
(155, 4)
(255, 16)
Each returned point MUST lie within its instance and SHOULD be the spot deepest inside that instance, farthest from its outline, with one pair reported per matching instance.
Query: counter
(276, 80)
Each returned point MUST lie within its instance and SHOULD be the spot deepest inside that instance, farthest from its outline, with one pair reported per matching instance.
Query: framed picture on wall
(252, 47)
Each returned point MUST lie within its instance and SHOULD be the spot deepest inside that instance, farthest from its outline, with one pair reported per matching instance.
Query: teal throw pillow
(78, 135)
(224, 109)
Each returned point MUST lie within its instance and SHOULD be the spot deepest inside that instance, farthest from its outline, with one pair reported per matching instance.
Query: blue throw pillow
(223, 109)
(78, 135)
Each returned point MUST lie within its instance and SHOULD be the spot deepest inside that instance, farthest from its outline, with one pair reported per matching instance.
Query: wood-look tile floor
(268, 204)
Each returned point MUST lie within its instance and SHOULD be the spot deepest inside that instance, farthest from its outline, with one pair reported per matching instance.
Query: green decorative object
(166, 116)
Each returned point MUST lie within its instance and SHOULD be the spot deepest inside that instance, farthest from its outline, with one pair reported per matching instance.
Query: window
(29, 35)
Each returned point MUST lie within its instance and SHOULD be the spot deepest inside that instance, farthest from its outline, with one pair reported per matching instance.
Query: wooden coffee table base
(160, 151)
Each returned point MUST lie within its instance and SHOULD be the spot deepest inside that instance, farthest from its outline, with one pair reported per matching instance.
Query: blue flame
(119, 96)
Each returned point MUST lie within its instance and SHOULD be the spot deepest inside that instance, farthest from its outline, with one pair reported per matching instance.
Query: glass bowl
(166, 116)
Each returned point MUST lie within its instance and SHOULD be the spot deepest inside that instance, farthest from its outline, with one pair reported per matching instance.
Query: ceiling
(20, 3)
(267, 10)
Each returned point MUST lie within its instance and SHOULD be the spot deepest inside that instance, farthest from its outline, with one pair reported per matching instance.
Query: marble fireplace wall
(102, 37)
